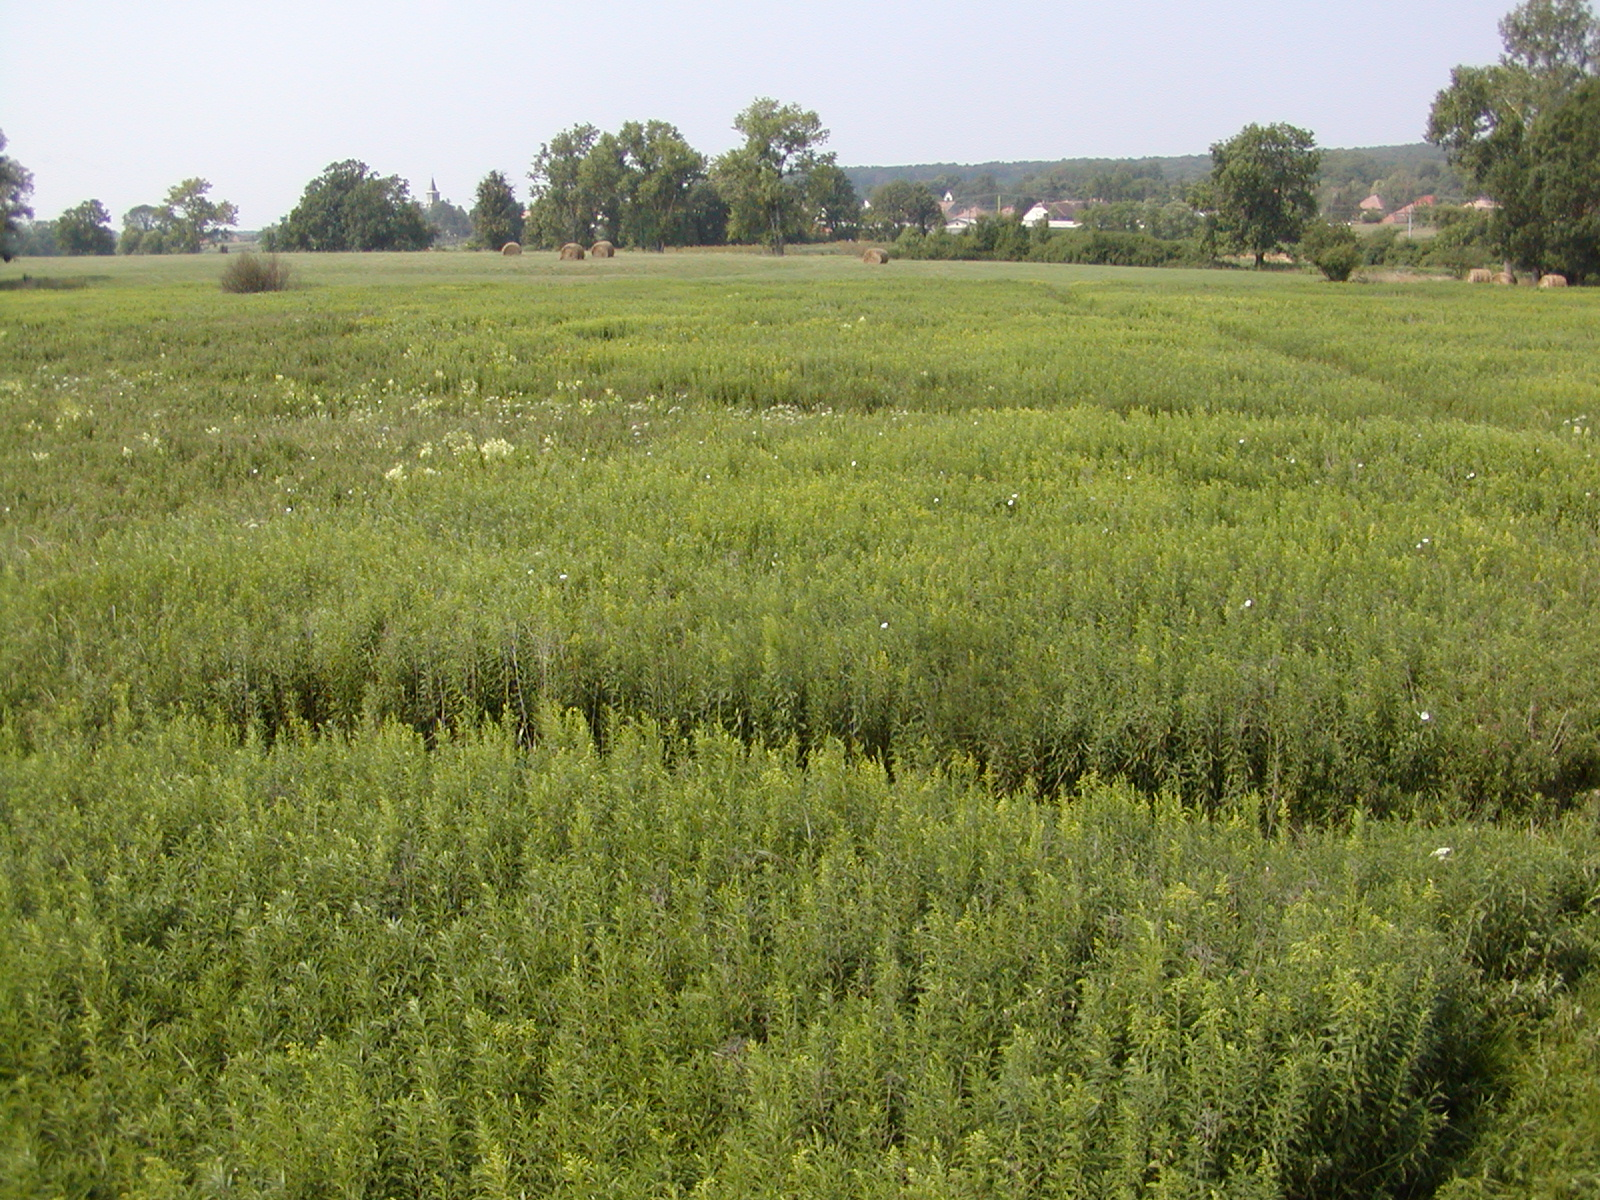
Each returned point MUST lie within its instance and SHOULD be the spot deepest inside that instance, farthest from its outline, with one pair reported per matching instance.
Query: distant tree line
(186, 221)
(641, 186)
(1524, 132)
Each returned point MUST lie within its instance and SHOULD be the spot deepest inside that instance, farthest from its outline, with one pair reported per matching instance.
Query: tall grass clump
(248, 273)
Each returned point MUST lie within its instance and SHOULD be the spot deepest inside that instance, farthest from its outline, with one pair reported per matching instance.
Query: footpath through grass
(481, 726)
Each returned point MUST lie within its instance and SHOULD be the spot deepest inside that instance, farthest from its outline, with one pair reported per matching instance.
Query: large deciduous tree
(1561, 191)
(85, 229)
(763, 180)
(193, 218)
(664, 169)
(184, 223)
(496, 213)
(16, 183)
(563, 210)
(1517, 129)
(351, 207)
(1262, 188)
(603, 177)
(142, 231)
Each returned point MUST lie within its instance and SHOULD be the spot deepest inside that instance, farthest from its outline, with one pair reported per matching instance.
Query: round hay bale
(602, 250)
(572, 251)
(511, 249)
(1480, 275)
(1552, 280)
(1505, 279)
(875, 255)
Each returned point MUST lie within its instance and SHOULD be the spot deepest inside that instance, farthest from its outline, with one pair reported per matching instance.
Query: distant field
(483, 726)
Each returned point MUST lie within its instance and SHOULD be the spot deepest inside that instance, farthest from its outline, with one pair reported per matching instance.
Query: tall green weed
(355, 965)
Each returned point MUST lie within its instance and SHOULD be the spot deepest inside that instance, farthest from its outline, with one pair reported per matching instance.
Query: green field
(713, 724)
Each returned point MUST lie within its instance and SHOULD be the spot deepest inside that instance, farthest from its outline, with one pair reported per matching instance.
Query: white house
(1058, 214)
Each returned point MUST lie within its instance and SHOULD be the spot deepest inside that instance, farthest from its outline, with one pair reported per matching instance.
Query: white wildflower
(495, 448)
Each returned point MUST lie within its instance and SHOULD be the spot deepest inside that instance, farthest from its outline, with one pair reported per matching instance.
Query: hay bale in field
(572, 251)
(1505, 279)
(1552, 280)
(875, 255)
(511, 249)
(602, 249)
(1480, 275)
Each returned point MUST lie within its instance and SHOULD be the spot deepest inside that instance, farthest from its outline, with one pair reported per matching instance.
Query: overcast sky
(118, 101)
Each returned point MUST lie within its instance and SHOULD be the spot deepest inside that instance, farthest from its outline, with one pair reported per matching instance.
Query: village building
(1406, 213)
(1055, 214)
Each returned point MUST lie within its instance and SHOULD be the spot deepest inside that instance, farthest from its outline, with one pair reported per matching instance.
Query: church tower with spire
(433, 193)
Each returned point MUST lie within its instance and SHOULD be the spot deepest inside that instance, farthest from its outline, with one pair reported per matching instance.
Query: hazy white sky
(119, 101)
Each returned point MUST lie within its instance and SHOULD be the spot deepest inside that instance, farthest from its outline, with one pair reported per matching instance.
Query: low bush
(1111, 248)
(1332, 249)
(1008, 240)
(248, 273)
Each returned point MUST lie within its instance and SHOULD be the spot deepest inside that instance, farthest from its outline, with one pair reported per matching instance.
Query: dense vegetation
(480, 726)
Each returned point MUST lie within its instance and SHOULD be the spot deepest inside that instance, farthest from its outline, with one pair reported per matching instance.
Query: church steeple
(433, 192)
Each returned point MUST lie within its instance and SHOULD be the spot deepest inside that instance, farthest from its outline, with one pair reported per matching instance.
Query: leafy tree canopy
(636, 187)
(763, 180)
(186, 221)
(564, 208)
(900, 204)
(496, 213)
(1261, 189)
(664, 170)
(351, 207)
(832, 205)
(1560, 197)
(1503, 126)
(16, 184)
(193, 219)
(85, 229)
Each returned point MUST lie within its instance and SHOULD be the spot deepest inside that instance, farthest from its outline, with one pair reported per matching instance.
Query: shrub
(1382, 248)
(1009, 241)
(1112, 248)
(248, 273)
(1331, 248)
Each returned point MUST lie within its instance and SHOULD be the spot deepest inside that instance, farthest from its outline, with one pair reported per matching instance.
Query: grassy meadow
(712, 724)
